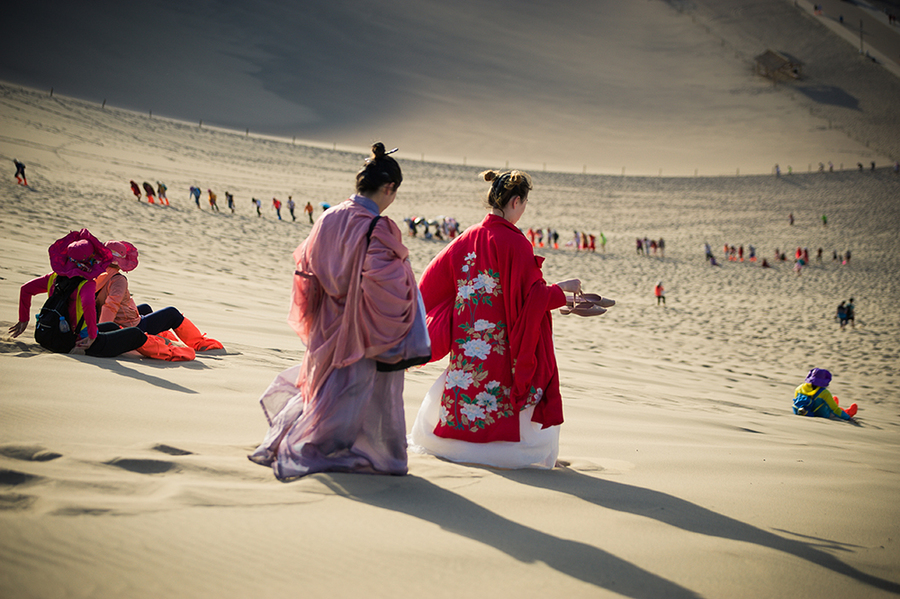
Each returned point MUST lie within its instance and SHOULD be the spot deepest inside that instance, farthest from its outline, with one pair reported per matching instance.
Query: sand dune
(688, 474)
(647, 87)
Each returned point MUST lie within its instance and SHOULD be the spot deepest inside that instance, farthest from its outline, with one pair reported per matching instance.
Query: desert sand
(686, 473)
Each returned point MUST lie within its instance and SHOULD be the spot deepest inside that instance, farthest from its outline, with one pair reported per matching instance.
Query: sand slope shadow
(422, 499)
(689, 517)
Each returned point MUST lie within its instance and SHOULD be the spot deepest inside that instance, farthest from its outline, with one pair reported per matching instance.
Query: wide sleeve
(527, 307)
(438, 287)
(89, 307)
(27, 291)
(117, 292)
(388, 299)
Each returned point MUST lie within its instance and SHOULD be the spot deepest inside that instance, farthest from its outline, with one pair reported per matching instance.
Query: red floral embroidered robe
(489, 308)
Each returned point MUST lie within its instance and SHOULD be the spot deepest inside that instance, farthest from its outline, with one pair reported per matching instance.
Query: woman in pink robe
(354, 297)
(498, 403)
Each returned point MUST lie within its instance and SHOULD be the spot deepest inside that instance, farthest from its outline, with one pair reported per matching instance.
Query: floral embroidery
(465, 404)
(459, 378)
(483, 325)
(534, 397)
(476, 348)
(475, 289)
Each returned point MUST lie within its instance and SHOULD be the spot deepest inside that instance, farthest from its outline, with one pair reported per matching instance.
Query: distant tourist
(148, 189)
(20, 172)
(195, 193)
(276, 204)
(161, 190)
(291, 206)
(841, 314)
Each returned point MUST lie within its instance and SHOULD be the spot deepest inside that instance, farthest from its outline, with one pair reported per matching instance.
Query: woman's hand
(570, 285)
(17, 329)
(82, 345)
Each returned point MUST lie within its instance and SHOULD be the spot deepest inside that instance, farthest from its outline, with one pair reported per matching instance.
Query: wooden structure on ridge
(773, 65)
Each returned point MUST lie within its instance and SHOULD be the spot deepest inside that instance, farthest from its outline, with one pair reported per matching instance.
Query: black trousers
(160, 320)
(112, 340)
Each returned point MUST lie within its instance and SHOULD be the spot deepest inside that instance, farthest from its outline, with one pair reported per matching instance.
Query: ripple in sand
(15, 502)
(168, 449)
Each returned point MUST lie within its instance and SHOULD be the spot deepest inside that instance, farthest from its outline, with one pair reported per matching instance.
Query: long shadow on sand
(689, 517)
(422, 499)
(829, 94)
(120, 368)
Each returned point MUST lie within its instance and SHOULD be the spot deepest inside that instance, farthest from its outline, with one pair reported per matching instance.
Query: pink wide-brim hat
(79, 254)
(124, 254)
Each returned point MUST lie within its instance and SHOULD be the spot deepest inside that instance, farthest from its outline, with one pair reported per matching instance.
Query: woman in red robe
(498, 403)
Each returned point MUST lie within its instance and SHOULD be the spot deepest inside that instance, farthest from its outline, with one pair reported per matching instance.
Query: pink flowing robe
(351, 301)
(489, 307)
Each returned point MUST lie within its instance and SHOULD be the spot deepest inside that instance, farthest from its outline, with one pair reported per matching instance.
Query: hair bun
(489, 175)
(378, 151)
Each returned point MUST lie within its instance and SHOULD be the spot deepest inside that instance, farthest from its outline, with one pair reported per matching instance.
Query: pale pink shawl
(349, 303)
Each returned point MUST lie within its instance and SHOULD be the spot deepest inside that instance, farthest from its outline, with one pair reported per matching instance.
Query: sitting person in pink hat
(78, 257)
(114, 304)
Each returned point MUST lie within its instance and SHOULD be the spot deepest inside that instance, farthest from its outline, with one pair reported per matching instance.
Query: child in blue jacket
(813, 399)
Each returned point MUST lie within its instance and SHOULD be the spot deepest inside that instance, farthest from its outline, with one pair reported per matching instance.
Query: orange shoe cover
(167, 334)
(851, 411)
(160, 348)
(192, 337)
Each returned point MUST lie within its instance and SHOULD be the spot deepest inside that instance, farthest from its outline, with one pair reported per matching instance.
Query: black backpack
(53, 329)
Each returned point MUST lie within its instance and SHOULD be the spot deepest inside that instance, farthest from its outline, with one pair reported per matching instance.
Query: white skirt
(537, 448)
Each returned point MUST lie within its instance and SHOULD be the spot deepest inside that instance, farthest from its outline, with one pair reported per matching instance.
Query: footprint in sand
(32, 453)
(143, 466)
(14, 478)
